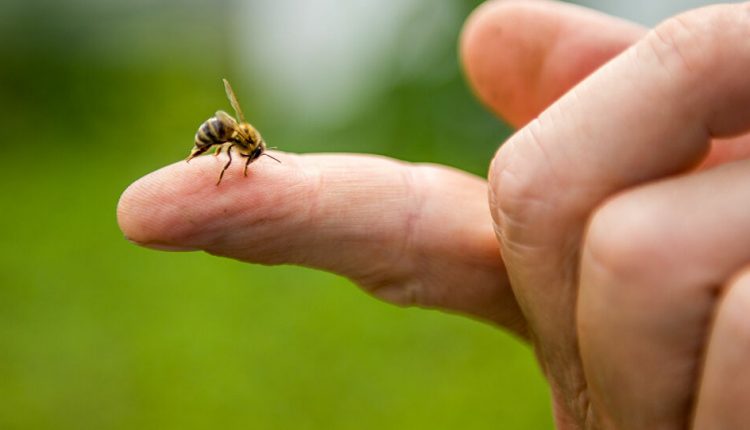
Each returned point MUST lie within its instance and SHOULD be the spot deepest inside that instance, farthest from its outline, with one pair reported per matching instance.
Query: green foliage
(98, 333)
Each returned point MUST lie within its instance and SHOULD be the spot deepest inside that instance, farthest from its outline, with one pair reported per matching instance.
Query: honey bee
(226, 133)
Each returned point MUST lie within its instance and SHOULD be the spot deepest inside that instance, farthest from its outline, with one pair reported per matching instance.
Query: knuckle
(519, 188)
(679, 45)
(625, 242)
(694, 42)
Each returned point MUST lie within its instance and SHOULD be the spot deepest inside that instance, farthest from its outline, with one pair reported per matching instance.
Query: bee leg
(221, 175)
(257, 152)
(247, 163)
(218, 150)
(195, 152)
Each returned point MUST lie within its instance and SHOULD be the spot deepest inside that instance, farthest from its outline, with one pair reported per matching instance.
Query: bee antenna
(271, 156)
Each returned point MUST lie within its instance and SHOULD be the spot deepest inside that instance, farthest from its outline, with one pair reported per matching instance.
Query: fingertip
(520, 56)
(489, 46)
(166, 209)
(140, 211)
(127, 214)
(180, 207)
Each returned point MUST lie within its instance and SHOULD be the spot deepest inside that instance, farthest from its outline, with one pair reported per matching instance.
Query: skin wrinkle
(484, 255)
(313, 182)
(435, 288)
(316, 176)
(678, 47)
(415, 199)
(408, 290)
(374, 280)
(512, 213)
(526, 189)
(579, 409)
(666, 48)
(739, 30)
(544, 170)
(574, 157)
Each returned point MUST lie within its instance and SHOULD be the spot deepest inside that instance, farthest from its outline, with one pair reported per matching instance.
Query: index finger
(395, 228)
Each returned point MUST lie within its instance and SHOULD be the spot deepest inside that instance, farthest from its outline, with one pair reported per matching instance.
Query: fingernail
(163, 246)
(170, 248)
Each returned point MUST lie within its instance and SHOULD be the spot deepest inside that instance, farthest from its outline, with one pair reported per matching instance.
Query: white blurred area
(322, 61)
(646, 12)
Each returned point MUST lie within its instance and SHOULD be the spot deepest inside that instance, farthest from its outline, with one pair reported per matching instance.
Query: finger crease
(415, 202)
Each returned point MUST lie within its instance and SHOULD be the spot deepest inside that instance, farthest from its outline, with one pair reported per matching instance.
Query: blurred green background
(98, 333)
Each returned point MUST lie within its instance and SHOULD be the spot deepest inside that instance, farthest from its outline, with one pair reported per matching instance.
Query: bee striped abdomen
(212, 132)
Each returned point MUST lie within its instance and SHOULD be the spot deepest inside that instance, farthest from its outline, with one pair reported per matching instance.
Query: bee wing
(233, 100)
(226, 118)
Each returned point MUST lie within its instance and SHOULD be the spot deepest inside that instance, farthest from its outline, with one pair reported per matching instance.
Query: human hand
(629, 263)
(422, 235)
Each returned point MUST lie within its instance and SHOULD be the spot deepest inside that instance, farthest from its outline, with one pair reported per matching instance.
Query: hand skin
(618, 209)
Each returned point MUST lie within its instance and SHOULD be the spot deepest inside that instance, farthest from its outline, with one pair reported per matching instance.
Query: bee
(227, 133)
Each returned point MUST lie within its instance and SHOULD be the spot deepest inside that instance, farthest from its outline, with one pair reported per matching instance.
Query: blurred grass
(98, 333)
